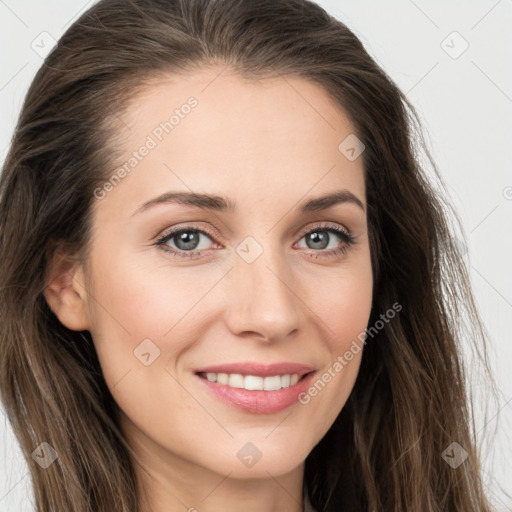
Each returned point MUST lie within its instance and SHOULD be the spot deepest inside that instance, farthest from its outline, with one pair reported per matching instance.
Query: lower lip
(259, 402)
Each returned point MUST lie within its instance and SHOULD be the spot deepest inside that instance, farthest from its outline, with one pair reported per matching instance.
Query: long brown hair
(410, 400)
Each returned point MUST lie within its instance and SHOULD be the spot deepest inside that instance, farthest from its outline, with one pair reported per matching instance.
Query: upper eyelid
(174, 231)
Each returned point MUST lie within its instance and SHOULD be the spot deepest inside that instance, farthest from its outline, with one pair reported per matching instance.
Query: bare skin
(268, 146)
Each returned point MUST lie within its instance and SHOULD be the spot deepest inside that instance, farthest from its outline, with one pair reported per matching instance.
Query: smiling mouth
(254, 382)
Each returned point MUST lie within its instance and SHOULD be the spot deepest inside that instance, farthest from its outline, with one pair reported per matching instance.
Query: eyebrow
(223, 204)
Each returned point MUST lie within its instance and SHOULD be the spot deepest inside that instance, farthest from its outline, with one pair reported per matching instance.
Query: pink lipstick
(257, 388)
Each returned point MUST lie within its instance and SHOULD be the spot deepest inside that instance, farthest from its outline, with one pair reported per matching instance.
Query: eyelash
(348, 240)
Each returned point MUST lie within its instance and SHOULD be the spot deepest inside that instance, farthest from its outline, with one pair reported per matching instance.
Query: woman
(226, 283)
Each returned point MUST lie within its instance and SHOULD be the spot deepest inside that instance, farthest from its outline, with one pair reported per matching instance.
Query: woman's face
(256, 291)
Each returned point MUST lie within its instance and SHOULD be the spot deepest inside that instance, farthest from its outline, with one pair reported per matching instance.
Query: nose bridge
(263, 300)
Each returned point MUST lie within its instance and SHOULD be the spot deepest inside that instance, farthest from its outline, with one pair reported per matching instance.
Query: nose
(262, 301)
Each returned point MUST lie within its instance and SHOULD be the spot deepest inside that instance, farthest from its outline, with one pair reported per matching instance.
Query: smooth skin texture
(267, 146)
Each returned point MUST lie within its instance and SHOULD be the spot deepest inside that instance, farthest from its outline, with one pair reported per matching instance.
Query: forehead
(214, 131)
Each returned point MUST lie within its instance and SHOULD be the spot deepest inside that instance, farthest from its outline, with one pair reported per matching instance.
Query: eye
(184, 242)
(321, 237)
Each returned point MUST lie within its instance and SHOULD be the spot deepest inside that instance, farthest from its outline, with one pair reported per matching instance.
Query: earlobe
(66, 294)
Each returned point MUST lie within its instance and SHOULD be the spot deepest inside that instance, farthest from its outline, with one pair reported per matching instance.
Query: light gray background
(465, 102)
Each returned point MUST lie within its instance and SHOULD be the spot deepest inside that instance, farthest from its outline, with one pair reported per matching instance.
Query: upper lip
(258, 369)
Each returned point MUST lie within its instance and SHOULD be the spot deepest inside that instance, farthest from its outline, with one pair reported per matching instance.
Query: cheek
(345, 312)
(146, 314)
(139, 300)
(144, 318)
(343, 301)
(343, 304)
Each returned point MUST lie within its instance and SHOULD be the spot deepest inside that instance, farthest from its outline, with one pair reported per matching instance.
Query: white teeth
(222, 378)
(272, 383)
(254, 382)
(236, 380)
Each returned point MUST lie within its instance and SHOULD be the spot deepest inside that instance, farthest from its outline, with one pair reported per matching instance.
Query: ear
(65, 290)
